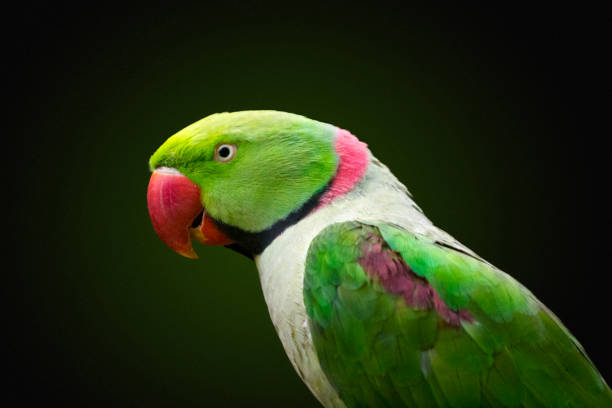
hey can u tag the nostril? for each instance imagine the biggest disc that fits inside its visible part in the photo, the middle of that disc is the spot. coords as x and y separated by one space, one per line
197 220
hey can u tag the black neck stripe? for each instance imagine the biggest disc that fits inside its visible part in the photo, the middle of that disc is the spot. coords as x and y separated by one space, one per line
250 244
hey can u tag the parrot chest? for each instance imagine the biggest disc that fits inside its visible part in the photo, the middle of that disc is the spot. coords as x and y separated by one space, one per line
281 271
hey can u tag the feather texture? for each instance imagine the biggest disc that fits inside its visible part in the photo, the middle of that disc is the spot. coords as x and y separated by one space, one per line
398 320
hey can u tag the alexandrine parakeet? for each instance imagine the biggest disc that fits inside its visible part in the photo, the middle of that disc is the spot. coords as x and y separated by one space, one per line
374 305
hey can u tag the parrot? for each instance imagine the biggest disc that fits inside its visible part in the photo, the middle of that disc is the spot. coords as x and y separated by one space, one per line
374 305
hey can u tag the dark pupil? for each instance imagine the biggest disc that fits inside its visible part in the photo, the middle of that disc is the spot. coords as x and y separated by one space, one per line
224 152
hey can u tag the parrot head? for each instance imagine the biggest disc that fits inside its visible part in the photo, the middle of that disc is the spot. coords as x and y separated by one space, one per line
237 178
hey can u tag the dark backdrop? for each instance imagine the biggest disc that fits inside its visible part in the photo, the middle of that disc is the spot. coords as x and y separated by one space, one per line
483 113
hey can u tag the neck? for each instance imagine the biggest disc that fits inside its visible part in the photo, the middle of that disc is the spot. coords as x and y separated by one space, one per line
352 165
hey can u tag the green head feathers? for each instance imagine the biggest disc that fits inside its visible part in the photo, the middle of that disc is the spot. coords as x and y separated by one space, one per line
280 161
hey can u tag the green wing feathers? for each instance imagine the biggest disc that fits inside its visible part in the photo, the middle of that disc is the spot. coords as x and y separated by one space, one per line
400 320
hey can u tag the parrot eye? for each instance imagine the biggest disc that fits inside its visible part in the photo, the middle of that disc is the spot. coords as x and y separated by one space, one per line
225 152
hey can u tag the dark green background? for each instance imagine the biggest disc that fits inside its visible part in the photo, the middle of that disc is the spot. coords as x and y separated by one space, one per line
478 112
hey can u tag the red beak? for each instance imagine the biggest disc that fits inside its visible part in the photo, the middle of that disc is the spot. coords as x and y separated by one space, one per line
177 213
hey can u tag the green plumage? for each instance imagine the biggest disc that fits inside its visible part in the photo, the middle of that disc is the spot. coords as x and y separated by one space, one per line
377 350
282 160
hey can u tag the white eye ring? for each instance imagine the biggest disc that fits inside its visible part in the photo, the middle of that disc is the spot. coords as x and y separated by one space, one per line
225 152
